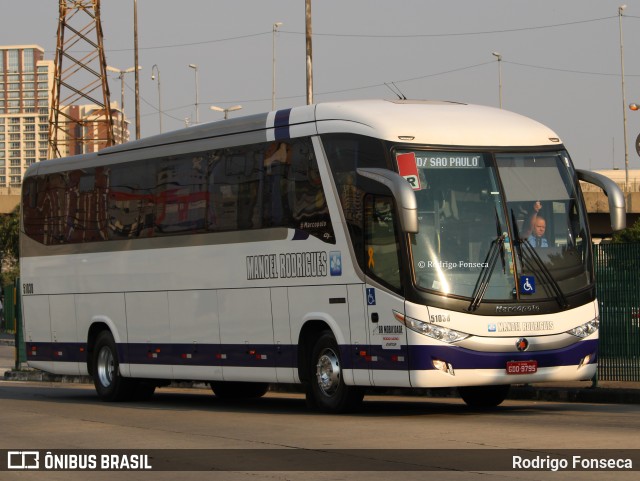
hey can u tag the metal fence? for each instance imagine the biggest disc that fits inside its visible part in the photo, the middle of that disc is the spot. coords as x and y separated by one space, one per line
618 287
12 319
9 303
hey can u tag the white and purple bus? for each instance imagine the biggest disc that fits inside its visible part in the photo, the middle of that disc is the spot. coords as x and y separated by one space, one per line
340 246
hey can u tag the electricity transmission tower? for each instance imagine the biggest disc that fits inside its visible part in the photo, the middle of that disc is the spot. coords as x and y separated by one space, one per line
80 79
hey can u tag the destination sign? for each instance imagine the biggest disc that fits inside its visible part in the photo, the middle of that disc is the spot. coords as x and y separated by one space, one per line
449 160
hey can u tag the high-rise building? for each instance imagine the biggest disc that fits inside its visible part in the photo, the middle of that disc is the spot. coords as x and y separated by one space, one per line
26 79
26 82
94 133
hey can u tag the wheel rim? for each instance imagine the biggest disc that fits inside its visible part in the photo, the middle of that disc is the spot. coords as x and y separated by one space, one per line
328 372
105 367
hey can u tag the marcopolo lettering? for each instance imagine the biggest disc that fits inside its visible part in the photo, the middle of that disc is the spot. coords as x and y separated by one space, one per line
517 309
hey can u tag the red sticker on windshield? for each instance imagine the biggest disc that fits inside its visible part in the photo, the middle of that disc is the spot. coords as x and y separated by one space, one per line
409 169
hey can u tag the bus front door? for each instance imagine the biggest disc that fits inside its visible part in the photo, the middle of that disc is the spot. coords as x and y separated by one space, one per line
387 356
388 340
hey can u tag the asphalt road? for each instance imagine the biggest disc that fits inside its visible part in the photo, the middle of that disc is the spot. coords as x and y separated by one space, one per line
64 416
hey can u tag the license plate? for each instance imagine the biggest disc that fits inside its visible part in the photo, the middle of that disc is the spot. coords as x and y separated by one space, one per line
522 367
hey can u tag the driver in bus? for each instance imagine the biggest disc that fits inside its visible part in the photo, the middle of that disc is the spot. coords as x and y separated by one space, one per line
537 238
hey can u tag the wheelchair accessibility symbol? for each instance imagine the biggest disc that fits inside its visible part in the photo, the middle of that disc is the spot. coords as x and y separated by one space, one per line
527 285
371 296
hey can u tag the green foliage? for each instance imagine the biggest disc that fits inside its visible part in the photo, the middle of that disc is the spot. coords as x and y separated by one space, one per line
10 274
10 246
630 234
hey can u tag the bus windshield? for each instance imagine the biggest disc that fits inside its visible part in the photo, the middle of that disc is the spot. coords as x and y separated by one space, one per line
548 218
497 226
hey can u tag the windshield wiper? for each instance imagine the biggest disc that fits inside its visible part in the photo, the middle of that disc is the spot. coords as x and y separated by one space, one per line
496 249
529 255
517 244
543 270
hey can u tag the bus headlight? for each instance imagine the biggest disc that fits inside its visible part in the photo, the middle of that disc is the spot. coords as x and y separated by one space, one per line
585 329
431 330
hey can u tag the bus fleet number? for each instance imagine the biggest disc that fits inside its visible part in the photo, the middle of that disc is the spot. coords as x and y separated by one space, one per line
27 288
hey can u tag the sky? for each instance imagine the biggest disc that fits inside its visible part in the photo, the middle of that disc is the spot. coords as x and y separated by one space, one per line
560 58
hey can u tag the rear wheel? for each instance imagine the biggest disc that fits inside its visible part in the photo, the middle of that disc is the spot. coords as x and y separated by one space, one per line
239 390
327 390
484 396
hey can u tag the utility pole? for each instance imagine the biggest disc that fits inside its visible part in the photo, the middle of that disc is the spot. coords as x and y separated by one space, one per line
136 65
195 69
499 57
624 104
276 25
309 52
121 74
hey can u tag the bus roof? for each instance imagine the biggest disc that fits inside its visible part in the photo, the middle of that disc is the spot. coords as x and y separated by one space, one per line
433 123
441 123
428 122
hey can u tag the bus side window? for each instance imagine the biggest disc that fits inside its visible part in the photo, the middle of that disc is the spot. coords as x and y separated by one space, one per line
382 247
33 220
277 159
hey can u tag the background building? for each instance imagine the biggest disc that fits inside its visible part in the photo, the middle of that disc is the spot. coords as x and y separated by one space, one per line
26 83
26 80
94 125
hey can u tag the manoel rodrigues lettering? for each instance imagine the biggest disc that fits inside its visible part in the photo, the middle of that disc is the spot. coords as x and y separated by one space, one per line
287 266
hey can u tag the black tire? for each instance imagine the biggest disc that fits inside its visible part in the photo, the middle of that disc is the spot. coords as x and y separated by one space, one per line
327 390
239 390
484 397
143 390
109 384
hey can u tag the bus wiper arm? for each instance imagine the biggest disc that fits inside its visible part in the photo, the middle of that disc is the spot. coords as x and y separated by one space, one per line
543 270
497 247
527 252
517 244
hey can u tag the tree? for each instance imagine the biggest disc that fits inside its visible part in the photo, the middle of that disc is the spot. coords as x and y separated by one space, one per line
630 234
10 246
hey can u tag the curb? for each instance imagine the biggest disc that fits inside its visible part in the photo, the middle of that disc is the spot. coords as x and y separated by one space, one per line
41 376
34 375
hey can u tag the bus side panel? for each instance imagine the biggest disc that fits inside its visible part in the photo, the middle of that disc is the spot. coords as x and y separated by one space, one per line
246 335
107 309
389 349
328 304
149 348
285 352
37 329
195 332
67 356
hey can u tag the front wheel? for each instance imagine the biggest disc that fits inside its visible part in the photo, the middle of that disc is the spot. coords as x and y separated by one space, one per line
484 396
327 390
109 384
